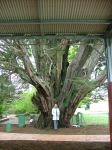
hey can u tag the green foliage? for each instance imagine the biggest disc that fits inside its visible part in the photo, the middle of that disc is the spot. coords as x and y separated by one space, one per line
72 53
6 88
23 104
79 81
1 111
4 107
65 103
6 91
85 101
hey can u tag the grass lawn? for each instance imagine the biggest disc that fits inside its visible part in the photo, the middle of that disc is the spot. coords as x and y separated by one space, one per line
92 119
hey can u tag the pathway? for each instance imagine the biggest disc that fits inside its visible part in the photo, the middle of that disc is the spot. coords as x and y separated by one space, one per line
45 137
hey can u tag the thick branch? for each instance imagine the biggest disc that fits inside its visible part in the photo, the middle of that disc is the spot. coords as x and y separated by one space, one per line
82 92
44 94
36 53
14 68
74 69
93 60
65 63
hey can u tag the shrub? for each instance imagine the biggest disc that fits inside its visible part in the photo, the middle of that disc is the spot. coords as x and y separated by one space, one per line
23 104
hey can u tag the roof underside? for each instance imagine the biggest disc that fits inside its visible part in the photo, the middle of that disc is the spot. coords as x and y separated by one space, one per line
43 17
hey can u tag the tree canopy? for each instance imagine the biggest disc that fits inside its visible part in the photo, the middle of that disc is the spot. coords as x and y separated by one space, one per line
6 89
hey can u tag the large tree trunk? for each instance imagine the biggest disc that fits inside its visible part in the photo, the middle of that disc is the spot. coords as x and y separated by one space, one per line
45 117
45 104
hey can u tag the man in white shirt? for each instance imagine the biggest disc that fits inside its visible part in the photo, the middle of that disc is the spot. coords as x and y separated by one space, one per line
55 116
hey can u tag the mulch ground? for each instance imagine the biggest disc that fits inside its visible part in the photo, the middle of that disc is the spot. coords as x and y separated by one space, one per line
87 130
49 145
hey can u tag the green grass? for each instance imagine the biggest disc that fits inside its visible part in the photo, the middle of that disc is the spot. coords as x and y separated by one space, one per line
93 119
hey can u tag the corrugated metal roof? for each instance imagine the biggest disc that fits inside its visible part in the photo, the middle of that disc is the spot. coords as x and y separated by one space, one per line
50 29
17 16
75 9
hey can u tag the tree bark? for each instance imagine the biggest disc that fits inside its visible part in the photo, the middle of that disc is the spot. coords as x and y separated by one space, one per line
44 104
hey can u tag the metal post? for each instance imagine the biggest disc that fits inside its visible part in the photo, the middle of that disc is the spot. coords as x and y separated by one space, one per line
108 43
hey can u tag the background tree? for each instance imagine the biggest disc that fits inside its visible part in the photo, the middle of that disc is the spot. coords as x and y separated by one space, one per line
6 90
23 104
57 78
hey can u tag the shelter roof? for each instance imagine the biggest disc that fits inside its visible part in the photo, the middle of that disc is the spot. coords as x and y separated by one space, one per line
51 17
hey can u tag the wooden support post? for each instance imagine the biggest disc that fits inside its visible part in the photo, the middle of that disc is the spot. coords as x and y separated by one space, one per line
108 43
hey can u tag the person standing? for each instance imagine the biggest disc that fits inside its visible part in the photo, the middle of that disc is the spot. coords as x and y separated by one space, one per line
55 116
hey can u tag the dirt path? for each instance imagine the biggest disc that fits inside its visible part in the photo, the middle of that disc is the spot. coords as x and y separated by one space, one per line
46 137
